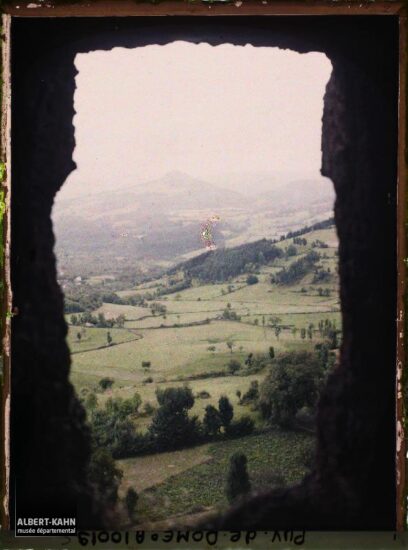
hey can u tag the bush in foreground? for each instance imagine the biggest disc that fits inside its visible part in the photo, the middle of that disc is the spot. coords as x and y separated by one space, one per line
238 484
131 499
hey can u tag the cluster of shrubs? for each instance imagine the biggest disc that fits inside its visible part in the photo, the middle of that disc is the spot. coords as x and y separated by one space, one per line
133 300
330 332
297 270
293 385
252 395
220 421
81 298
322 276
229 314
106 383
157 308
324 291
319 244
113 427
290 251
98 321
325 224
174 286
88 298
294 379
223 264
300 241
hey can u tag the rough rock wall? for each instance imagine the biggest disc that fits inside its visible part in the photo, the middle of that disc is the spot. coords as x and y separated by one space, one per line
50 441
352 484
356 423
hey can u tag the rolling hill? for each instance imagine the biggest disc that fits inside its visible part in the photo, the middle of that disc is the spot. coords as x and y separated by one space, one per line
160 221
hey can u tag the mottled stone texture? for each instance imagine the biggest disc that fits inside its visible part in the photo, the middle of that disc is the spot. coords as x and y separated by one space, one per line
353 483
50 442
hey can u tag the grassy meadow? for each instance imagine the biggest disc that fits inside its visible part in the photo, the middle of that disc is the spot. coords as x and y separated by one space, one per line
192 344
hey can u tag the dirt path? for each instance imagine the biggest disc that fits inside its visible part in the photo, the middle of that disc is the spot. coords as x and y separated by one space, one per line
147 471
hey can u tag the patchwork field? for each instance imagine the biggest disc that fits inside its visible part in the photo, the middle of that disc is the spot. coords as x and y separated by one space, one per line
191 341
193 480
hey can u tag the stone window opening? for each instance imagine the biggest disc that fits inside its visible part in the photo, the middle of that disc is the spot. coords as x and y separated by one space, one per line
356 419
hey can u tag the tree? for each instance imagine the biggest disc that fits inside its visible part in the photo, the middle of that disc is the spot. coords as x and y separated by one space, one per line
104 476
292 384
175 399
303 333
271 353
263 325
333 340
79 336
109 338
74 320
230 345
238 484
226 411
212 421
171 428
278 330
238 393
291 251
101 320
105 383
252 280
252 394
294 332
123 434
120 320
234 366
131 499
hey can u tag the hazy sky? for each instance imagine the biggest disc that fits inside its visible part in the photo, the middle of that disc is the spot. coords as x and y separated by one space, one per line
201 109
